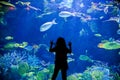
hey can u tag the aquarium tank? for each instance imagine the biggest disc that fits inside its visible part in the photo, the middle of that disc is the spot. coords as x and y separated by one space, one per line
28 26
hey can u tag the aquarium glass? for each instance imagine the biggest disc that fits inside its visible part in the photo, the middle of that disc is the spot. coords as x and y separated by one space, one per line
27 28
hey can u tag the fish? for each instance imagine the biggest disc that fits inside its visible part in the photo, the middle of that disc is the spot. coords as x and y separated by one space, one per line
28 5
70 59
46 26
6 3
9 38
65 14
45 14
6 6
109 45
32 7
85 58
97 35
23 3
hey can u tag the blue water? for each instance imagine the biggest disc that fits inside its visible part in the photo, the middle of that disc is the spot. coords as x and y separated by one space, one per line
23 24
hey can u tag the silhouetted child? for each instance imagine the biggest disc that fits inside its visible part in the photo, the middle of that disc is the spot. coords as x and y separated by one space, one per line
61 57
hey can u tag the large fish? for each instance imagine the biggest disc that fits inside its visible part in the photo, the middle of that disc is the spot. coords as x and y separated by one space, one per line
109 45
47 25
6 3
66 14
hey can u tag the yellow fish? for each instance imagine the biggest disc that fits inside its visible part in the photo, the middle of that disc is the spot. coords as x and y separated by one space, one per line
6 3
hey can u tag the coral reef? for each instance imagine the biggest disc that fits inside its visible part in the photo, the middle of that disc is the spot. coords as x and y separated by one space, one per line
17 65
21 63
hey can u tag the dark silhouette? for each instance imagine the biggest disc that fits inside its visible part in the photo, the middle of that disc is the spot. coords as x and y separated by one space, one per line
61 57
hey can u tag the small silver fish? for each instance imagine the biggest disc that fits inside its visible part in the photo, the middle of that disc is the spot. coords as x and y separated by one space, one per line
9 38
47 25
